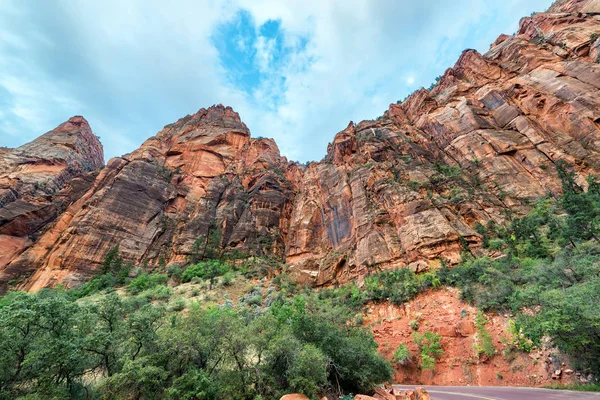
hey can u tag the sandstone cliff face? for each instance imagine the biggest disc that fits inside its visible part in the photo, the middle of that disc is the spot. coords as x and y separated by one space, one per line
41 179
200 176
403 191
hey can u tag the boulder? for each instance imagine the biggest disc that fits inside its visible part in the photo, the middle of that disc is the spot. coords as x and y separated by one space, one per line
422 394
294 396
383 394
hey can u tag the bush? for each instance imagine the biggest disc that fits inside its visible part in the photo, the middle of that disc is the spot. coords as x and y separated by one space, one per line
146 281
402 355
430 346
517 339
178 304
427 362
485 343
496 244
205 270
398 285
414 325
158 292
255 300
174 271
227 278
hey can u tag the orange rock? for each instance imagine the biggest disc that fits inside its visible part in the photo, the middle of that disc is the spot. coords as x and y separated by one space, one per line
464 328
294 397
422 394
403 395
408 395
383 394
398 192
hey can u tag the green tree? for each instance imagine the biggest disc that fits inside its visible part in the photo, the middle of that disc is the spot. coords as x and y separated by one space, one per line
112 262
108 336
308 371
430 346
18 330
402 355
139 379
194 384
205 270
582 222
41 346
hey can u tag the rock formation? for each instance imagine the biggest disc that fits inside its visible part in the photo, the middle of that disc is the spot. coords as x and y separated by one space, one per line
198 176
405 190
40 180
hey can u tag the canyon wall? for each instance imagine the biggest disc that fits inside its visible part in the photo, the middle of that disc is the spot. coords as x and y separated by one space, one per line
405 190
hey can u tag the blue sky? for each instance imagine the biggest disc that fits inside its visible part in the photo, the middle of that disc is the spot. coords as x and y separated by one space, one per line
297 70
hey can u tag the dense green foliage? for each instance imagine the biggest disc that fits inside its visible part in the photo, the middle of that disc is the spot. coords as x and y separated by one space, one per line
550 276
146 281
402 354
398 285
54 346
205 270
430 347
485 342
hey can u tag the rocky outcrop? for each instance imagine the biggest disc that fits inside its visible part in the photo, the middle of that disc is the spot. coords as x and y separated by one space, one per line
405 190
443 313
39 180
200 181
576 6
390 393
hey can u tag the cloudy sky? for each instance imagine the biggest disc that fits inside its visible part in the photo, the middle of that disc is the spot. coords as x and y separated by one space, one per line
295 70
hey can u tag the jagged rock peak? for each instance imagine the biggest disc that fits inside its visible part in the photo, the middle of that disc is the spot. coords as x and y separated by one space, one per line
40 179
575 6
72 142
406 190
215 116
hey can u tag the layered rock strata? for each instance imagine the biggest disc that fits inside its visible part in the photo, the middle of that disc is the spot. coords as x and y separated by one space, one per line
405 190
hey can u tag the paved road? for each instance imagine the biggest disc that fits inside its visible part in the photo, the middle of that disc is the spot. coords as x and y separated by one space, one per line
502 393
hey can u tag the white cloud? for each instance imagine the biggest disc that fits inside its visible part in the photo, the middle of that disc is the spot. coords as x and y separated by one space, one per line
132 67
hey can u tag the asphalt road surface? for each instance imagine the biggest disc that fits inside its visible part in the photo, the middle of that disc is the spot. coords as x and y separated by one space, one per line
501 393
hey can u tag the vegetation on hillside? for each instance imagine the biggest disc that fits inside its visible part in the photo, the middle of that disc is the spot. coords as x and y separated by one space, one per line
131 344
549 276
545 271
120 336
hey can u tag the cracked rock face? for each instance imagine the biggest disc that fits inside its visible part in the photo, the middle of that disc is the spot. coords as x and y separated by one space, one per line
41 179
403 191
199 176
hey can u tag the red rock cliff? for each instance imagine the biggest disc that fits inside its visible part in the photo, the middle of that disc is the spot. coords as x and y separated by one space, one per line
40 179
403 191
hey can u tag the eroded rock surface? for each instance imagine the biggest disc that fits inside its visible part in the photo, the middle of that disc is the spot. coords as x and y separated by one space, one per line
443 313
199 178
405 190
39 180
